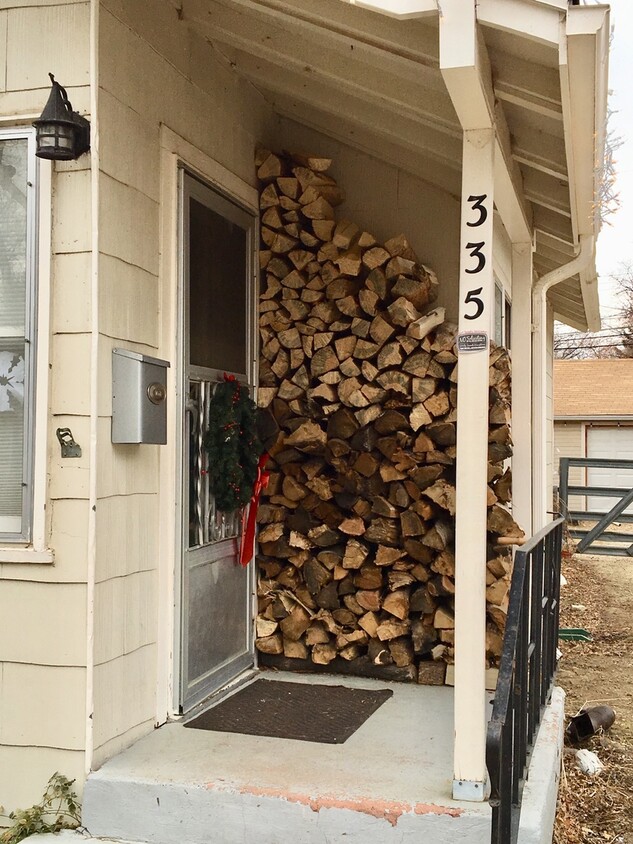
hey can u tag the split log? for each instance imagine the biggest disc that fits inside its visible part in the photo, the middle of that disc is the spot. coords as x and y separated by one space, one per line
359 377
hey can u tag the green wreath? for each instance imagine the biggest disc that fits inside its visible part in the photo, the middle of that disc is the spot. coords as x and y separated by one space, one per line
232 444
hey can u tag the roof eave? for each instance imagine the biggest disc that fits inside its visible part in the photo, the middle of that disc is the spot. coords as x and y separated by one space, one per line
584 80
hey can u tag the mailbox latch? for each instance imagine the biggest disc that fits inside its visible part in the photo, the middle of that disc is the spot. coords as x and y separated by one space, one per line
156 392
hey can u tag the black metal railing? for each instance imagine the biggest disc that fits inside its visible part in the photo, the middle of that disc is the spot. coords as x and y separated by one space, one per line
526 675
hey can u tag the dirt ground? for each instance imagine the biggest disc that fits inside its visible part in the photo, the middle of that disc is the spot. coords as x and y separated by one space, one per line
599 598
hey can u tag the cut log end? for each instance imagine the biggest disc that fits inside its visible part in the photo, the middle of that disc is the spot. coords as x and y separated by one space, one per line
358 376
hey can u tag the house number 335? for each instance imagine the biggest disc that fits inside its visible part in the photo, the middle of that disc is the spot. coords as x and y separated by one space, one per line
475 250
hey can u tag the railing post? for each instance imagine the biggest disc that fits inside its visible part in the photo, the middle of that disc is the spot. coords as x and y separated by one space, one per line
536 628
522 672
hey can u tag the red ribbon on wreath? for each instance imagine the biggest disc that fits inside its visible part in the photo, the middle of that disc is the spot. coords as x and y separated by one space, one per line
247 544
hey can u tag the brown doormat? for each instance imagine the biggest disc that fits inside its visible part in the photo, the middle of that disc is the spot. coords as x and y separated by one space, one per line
302 711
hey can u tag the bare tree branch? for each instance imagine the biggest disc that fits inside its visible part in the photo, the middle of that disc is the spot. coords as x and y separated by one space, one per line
613 341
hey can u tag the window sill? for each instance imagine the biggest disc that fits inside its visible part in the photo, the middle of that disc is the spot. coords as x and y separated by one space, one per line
25 555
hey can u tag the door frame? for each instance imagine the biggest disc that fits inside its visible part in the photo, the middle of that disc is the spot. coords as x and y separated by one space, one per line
177 154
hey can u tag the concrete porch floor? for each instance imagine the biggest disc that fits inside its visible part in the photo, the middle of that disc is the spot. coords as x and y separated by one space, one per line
389 782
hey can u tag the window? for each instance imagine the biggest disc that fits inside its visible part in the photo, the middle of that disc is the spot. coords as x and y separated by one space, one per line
17 321
507 317
503 315
218 251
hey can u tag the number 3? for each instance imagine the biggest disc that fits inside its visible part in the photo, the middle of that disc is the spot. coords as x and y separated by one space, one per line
473 296
475 252
478 205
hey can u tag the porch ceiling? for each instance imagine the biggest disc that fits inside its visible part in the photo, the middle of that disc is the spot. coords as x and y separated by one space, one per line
374 82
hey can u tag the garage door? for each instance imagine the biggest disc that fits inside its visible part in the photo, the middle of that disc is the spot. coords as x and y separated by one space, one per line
612 444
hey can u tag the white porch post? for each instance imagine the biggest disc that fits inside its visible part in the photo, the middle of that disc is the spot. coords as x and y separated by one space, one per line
521 330
469 87
476 296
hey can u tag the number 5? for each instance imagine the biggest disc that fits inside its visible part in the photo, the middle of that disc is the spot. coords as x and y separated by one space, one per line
473 296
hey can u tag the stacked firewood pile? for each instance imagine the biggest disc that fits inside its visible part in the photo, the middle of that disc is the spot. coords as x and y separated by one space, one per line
359 376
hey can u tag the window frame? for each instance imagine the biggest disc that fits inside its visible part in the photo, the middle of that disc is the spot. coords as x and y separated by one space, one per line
25 535
502 310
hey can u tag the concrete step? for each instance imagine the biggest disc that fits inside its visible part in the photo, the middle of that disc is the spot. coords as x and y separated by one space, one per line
163 813
183 786
389 782
71 836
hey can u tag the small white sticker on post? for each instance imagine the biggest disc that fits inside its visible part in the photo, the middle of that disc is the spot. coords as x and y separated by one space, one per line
472 341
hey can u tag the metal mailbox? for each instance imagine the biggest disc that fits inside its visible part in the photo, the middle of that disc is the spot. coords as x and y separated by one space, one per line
139 398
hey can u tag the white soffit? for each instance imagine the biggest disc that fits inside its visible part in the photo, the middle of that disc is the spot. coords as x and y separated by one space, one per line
402 9
370 80
367 72
549 72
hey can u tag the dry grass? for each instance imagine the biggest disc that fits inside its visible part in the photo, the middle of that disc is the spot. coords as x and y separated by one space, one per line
600 808
599 597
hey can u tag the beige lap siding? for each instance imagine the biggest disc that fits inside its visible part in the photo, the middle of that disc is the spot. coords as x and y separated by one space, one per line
43 607
153 71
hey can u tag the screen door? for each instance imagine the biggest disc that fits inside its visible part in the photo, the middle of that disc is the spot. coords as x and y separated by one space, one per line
218 283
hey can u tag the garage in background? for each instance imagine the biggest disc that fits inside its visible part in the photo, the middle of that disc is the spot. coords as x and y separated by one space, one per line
593 417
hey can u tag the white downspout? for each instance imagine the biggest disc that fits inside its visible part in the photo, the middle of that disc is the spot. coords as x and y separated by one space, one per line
540 422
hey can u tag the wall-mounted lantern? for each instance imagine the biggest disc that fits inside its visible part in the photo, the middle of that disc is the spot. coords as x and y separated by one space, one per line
61 133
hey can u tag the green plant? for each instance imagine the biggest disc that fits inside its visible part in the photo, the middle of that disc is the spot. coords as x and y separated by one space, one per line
232 444
58 809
